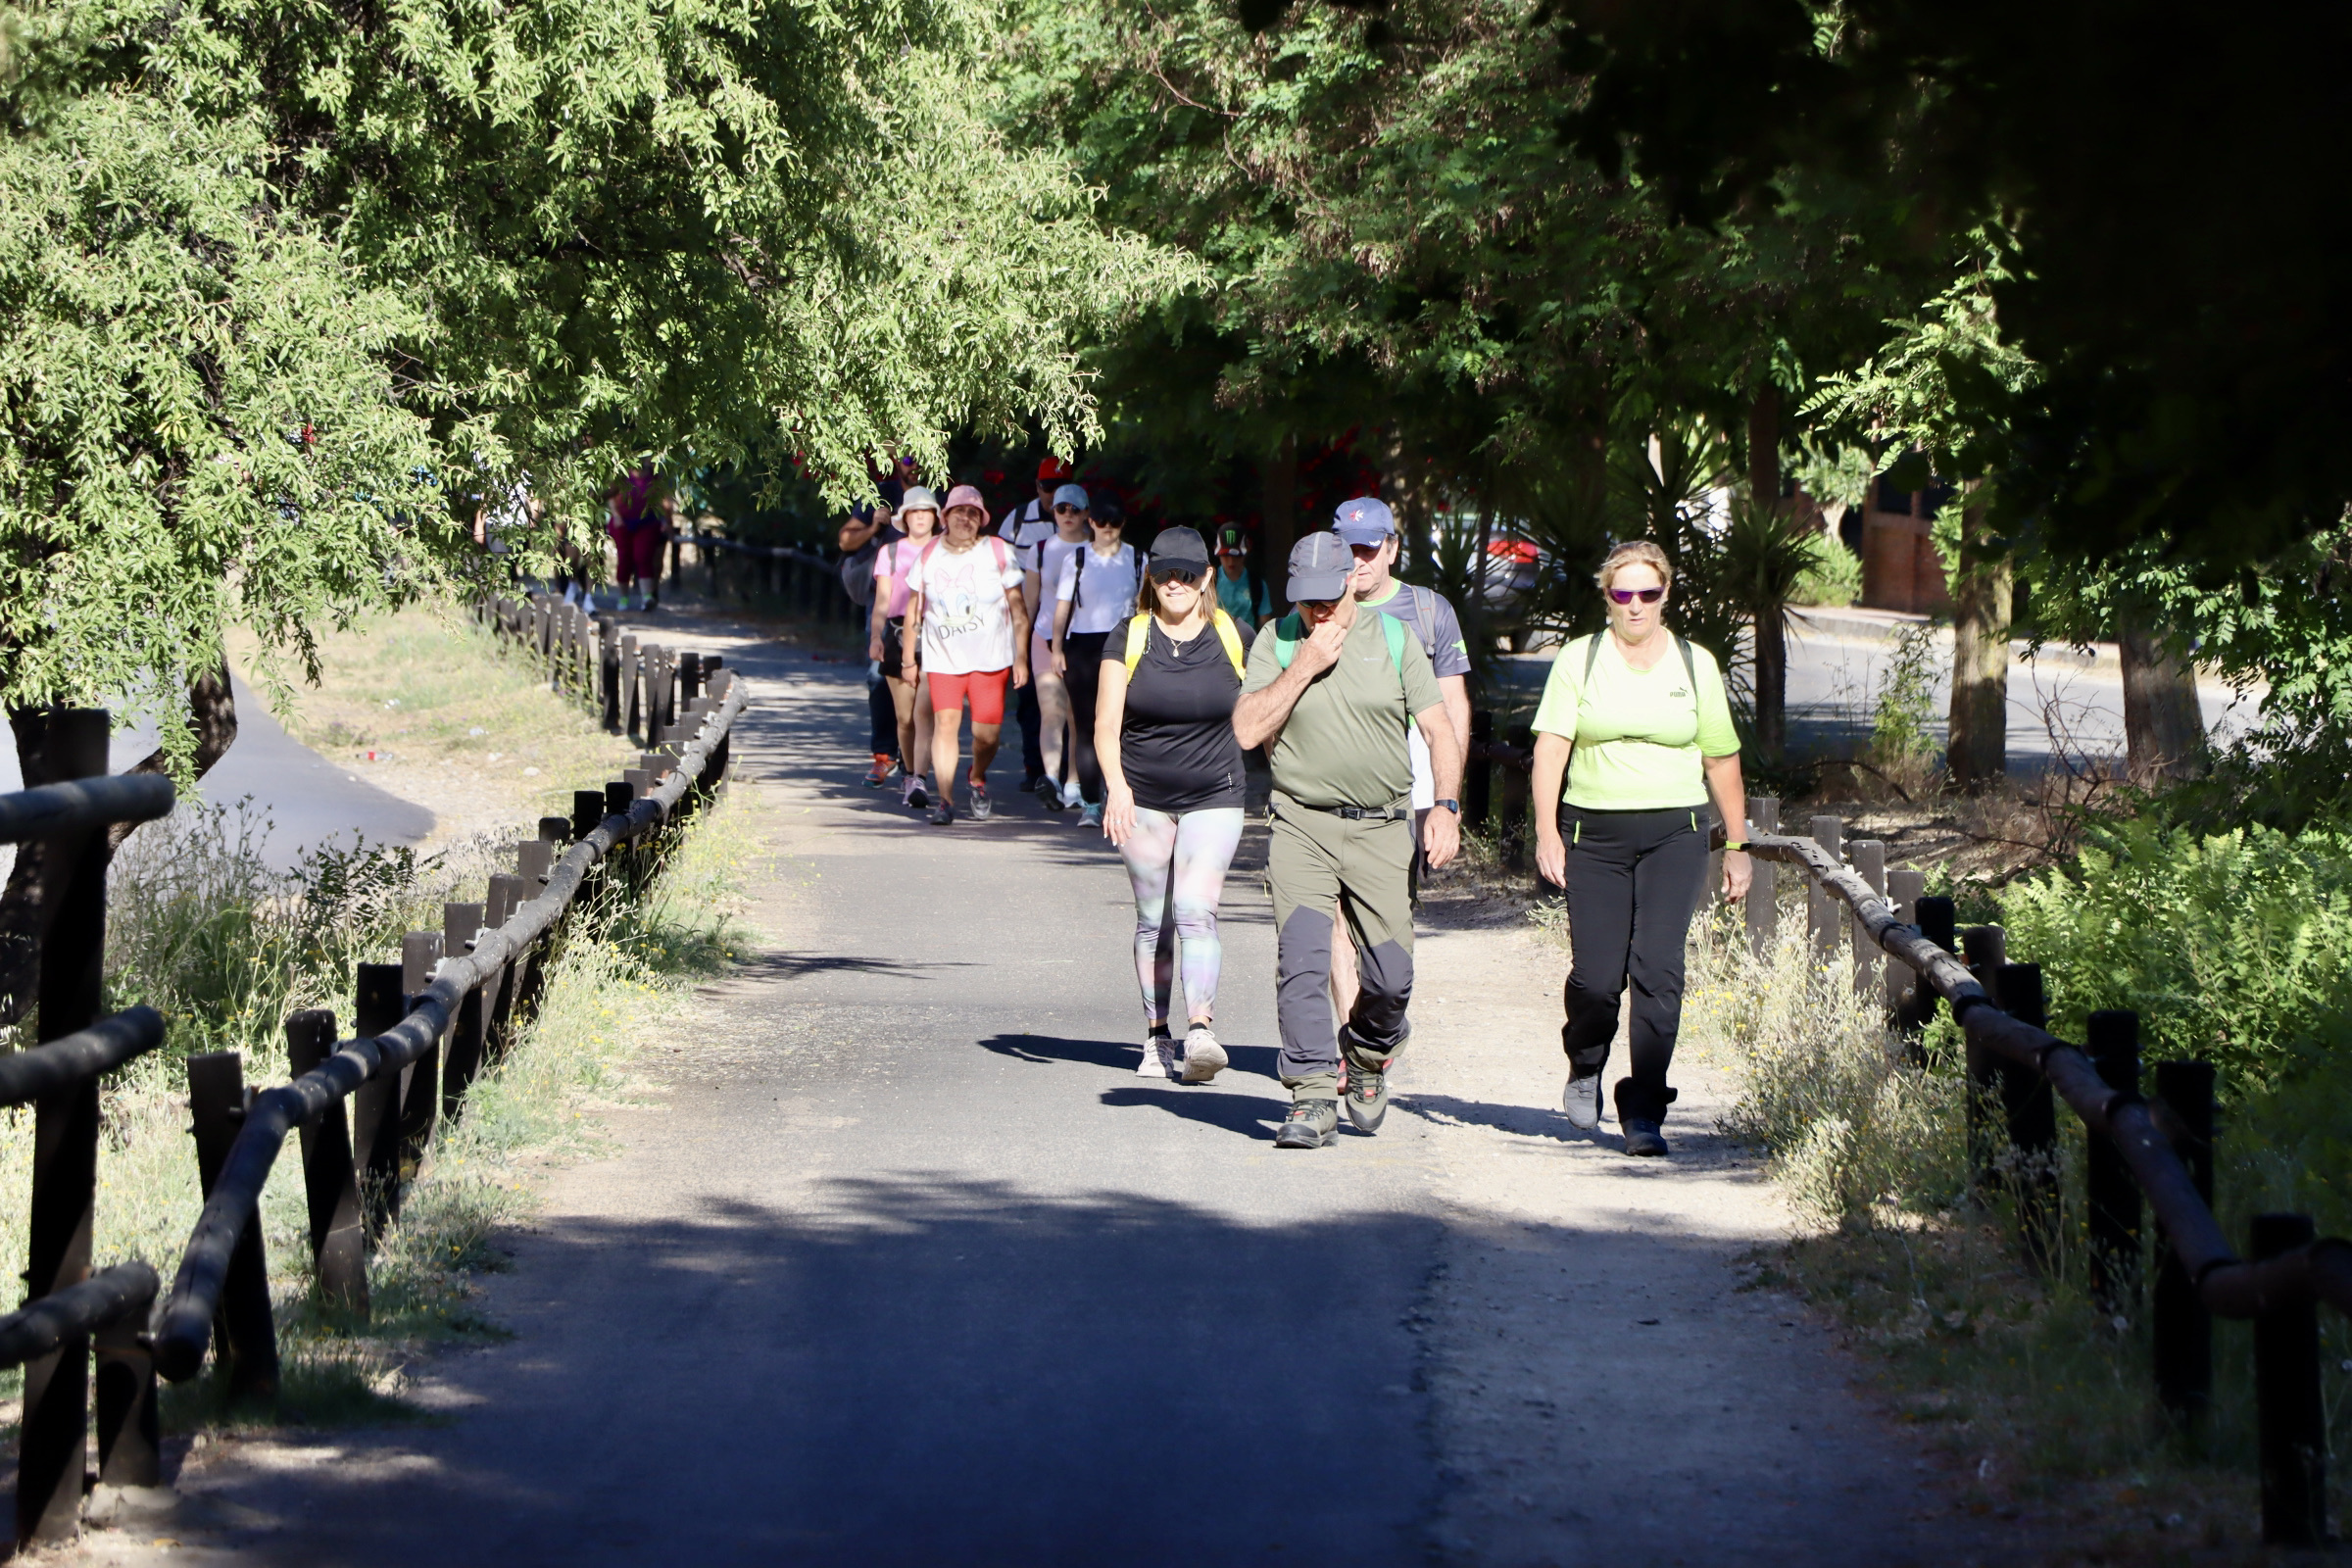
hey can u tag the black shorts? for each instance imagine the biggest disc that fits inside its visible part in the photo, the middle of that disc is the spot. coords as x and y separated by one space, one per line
894 648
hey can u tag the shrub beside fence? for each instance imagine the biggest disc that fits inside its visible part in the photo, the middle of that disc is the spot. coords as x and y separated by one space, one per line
2158 1151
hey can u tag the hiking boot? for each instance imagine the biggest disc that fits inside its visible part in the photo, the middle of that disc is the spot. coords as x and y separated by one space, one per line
982 807
1643 1139
940 813
1581 1100
1048 793
1160 1057
1311 1124
1367 1095
1203 1058
879 774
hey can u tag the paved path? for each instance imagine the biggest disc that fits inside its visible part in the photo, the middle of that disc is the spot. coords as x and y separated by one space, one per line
907 1268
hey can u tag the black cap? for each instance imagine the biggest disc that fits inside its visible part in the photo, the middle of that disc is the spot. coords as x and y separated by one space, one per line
1178 550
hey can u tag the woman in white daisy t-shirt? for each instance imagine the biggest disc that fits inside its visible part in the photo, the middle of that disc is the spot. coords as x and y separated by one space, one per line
966 617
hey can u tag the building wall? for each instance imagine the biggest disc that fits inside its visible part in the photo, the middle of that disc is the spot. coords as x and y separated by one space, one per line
1900 569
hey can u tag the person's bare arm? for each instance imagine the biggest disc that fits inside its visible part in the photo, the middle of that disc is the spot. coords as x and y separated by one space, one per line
1063 609
1730 789
1018 608
1111 718
1032 591
1442 830
854 534
910 634
1457 692
1259 717
1549 772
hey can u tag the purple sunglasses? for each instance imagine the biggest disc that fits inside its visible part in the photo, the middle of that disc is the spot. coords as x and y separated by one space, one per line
1626 595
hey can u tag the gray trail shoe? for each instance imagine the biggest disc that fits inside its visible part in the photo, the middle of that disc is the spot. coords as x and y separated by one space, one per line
982 807
1367 1096
1311 1124
1581 1100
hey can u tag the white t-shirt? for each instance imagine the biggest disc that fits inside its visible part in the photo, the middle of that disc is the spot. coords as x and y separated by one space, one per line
967 628
1104 594
1047 557
1025 525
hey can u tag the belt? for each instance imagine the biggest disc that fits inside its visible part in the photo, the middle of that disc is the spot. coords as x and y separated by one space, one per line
1367 813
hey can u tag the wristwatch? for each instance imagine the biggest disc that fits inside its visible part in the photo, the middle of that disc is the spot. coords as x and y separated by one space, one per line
1455 807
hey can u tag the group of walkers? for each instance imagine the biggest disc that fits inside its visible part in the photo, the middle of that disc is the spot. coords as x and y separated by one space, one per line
1143 678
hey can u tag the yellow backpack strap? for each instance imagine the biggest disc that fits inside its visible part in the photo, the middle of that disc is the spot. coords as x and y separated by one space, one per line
1139 630
1231 636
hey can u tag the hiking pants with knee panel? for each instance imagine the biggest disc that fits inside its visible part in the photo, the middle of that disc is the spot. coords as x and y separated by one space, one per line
1632 882
1314 858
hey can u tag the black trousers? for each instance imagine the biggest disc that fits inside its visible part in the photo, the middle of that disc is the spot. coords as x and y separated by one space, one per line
882 716
1634 879
1084 652
1033 731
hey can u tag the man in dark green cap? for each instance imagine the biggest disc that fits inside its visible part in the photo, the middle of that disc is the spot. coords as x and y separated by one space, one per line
1330 693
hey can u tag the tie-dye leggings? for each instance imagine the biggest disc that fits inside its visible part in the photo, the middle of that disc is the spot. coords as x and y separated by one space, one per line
1177 865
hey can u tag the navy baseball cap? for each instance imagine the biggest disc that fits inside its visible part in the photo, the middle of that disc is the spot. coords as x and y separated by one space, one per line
1321 569
1365 520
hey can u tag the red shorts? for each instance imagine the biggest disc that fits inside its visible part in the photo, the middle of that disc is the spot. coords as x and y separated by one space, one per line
986 688
637 552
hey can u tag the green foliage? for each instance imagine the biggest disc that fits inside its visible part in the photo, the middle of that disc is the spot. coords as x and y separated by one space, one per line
1832 579
1899 732
2232 947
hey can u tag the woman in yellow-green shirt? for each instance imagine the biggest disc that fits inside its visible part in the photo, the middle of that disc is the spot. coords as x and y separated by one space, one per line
1636 722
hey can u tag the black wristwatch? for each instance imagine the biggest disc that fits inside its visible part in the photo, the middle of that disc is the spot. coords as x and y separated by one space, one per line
1455 807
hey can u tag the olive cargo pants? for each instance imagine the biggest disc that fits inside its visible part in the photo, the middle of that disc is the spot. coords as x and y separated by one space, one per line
1316 858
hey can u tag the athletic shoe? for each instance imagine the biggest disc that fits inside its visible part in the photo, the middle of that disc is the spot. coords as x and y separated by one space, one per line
1311 1124
879 774
1643 1139
915 797
1092 817
1071 797
1029 785
1581 1100
1048 796
653 602
940 813
982 807
1159 1053
1203 1058
1367 1096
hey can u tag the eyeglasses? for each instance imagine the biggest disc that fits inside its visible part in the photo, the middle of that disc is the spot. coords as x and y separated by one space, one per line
1626 595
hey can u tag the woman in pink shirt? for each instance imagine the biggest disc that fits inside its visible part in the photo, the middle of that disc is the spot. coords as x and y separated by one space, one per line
910 693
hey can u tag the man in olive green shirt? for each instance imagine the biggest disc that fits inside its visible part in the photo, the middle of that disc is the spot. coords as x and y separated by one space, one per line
1329 693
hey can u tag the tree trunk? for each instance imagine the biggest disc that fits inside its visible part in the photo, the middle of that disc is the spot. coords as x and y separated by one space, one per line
1771 621
1977 752
2164 729
28 902
1277 511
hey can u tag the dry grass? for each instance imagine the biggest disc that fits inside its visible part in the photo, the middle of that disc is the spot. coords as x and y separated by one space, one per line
456 719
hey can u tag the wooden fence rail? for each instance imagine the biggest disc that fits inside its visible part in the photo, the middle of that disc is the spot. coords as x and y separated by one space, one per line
2159 1150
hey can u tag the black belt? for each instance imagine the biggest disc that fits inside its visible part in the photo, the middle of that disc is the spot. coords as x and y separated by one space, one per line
1367 813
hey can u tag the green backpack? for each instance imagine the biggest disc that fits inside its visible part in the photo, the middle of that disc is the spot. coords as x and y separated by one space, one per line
1291 631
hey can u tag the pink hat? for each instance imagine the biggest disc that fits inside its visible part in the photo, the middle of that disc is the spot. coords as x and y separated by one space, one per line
964 495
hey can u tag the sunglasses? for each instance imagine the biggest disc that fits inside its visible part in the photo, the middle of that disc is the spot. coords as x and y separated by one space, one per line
1182 579
1626 595
1067 508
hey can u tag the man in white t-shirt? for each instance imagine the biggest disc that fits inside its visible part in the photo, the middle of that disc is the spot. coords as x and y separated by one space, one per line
1041 567
1024 527
1095 594
966 619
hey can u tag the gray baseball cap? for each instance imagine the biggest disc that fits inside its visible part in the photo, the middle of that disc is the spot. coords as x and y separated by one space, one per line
1321 564
1072 494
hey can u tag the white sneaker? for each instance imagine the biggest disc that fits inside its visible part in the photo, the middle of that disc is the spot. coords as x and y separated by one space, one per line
1160 1058
1203 1058
1581 1100
1070 796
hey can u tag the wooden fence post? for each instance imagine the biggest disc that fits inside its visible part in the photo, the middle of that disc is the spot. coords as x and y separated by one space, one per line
2288 1412
375 1104
2180 1328
2110 1038
498 1002
421 1080
53 1444
1985 948
1870 864
1903 888
1825 913
329 1177
460 923
2030 1108
633 684
243 1330
1764 891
